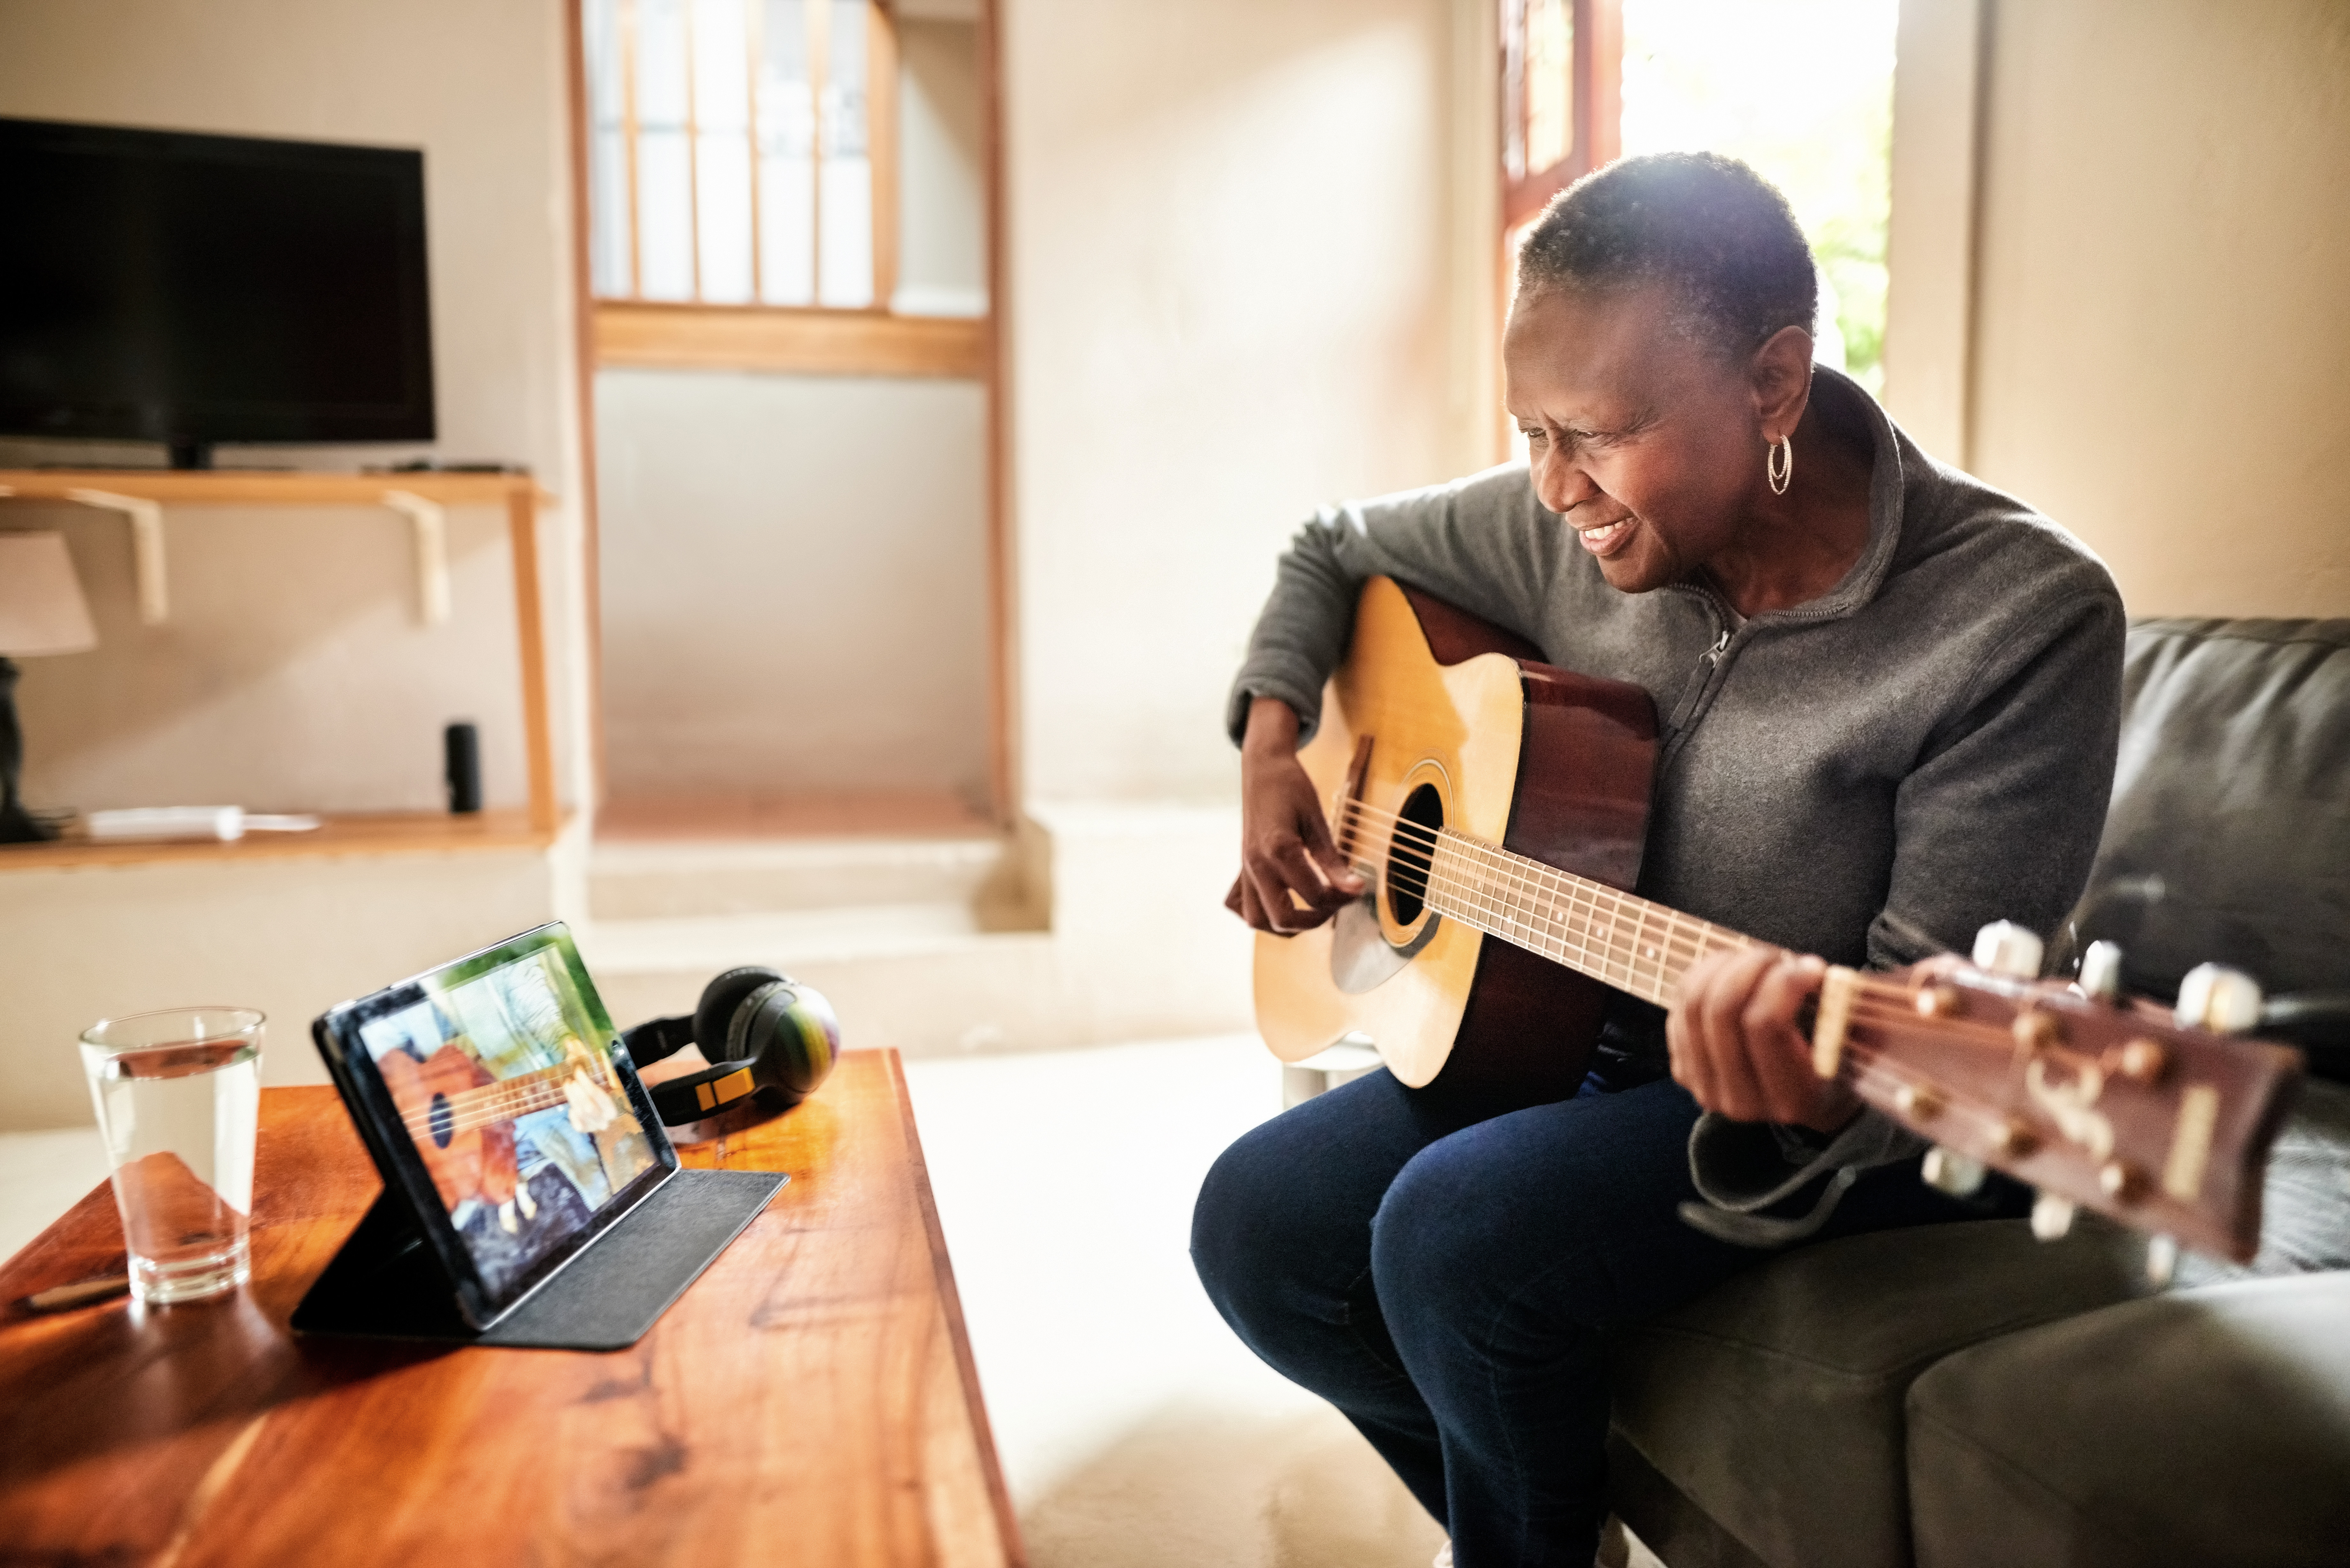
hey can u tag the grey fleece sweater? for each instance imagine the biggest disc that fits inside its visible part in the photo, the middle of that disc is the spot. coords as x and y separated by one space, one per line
1869 776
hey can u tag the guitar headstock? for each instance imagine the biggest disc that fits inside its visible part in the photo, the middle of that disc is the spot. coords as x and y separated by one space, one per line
2157 1119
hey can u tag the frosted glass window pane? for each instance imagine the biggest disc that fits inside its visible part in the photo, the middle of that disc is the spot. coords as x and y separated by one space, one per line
784 115
786 245
664 216
608 207
848 233
600 30
1550 84
1514 88
844 83
721 82
726 172
786 154
661 64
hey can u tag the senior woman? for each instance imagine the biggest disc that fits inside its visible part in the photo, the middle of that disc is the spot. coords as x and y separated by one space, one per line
1888 699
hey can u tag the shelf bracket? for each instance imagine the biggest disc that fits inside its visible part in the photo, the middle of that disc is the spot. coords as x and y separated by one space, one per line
146 547
430 523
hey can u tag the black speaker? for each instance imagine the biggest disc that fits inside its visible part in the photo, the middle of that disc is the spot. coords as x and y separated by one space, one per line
460 751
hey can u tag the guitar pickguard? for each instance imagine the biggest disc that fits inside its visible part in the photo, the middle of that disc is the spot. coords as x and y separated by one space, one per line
1361 957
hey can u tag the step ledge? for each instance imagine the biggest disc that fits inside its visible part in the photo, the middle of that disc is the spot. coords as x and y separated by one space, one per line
705 942
767 854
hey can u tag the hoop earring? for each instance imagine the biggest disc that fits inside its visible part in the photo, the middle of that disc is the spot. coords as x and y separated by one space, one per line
1779 464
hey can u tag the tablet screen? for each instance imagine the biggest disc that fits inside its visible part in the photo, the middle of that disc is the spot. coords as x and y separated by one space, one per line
502 1078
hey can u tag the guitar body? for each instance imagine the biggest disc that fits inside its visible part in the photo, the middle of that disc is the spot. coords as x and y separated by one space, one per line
465 1159
1450 721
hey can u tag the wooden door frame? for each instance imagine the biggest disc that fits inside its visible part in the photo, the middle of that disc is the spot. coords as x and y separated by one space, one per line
1003 767
583 327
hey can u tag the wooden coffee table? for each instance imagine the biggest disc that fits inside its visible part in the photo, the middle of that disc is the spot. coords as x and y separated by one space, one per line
810 1400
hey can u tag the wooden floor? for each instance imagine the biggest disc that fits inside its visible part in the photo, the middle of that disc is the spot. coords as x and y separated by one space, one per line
809 1403
912 813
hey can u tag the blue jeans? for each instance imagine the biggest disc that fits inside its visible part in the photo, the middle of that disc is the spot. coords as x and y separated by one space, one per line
1450 1287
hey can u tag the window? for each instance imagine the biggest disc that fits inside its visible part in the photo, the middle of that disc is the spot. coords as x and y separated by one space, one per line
742 173
1805 94
1562 63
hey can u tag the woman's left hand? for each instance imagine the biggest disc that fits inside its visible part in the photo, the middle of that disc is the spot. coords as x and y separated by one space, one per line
1735 1047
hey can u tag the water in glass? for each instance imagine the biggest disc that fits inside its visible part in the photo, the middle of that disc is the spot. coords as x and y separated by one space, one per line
179 1117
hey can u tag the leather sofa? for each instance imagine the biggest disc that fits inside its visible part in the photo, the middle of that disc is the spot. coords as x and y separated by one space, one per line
1963 1395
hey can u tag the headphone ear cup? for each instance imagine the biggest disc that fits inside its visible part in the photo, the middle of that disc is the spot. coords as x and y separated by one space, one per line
719 999
795 1033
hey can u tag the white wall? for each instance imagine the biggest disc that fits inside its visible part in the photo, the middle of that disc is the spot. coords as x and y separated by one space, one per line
291 674
942 223
2163 330
2156 339
794 567
289 936
795 573
1234 281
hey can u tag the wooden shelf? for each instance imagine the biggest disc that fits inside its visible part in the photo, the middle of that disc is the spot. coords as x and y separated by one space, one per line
777 337
370 833
144 490
268 487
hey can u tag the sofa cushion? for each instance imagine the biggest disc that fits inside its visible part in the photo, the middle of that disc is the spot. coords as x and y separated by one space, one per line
1773 1403
2229 836
2208 1426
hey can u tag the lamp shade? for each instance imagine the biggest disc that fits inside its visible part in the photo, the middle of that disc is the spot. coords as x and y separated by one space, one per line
41 607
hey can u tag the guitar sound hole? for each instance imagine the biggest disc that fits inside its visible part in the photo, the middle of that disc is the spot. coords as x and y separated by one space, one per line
1409 851
441 1120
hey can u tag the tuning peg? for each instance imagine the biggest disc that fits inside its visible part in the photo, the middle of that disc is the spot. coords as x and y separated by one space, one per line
1952 1172
2005 947
2161 1260
2222 999
2101 970
2052 1217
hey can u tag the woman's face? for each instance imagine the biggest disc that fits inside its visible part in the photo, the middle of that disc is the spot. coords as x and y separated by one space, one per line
1650 446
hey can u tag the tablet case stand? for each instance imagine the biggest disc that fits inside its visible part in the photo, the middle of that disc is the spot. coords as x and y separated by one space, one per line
387 1284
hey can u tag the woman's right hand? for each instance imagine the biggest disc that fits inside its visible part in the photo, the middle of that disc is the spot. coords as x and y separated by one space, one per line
1292 877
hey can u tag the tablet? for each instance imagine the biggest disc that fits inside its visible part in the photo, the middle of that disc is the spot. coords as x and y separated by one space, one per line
500 1104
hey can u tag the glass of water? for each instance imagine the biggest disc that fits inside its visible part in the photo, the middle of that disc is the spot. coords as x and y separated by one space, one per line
178 1096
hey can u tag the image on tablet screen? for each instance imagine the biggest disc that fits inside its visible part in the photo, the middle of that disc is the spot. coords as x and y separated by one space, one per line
504 1083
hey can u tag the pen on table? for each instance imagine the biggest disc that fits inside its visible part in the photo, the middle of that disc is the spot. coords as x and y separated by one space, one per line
78 1294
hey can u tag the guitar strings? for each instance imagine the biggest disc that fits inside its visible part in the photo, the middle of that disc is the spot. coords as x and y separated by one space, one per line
506 1101
1684 944
1588 936
1566 901
506 1108
1876 1000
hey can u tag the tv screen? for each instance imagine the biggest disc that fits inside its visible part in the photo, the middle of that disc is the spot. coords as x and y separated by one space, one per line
158 286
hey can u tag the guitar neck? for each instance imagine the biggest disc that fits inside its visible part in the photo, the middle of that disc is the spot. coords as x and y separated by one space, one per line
503 1101
1631 943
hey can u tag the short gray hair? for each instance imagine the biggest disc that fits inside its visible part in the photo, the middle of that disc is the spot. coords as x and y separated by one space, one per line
1715 232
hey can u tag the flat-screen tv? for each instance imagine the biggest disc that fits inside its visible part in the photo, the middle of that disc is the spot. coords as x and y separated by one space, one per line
158 286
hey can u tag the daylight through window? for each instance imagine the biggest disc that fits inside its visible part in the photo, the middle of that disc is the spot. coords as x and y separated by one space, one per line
742 151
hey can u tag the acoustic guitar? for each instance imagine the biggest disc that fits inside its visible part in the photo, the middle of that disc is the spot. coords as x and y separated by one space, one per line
1497 806
461 1120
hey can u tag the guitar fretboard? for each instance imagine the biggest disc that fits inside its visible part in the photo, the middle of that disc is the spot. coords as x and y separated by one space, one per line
503 1101
1618 939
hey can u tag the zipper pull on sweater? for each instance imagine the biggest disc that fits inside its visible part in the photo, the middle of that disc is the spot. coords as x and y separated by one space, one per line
1684 710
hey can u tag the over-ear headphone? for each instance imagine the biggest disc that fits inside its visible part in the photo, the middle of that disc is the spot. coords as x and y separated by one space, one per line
770 1041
